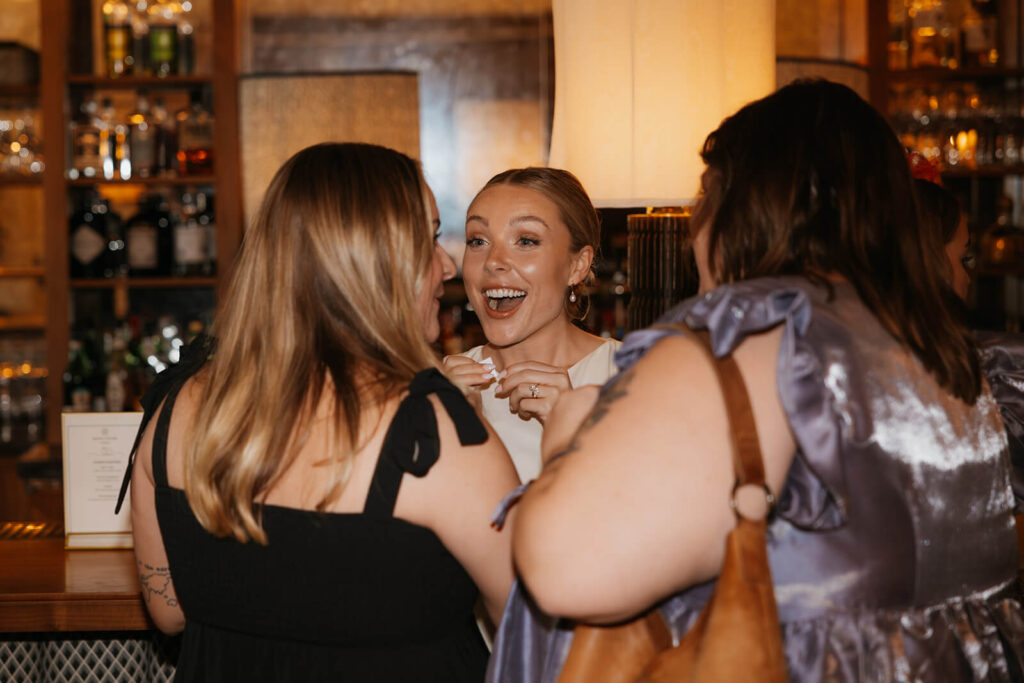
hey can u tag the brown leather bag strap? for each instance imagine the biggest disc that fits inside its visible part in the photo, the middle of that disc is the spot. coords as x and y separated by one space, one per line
748 461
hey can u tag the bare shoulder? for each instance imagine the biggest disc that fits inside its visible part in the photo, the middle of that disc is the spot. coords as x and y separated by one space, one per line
461 472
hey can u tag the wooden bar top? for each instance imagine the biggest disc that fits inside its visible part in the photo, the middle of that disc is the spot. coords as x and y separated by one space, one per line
44 587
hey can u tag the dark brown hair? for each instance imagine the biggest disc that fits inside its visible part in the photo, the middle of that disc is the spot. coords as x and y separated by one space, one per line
940 211
574 207
810 181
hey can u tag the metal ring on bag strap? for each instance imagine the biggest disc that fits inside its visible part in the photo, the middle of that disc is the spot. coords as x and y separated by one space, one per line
769 499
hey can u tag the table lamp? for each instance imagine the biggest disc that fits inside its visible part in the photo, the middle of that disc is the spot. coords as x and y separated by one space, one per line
639 84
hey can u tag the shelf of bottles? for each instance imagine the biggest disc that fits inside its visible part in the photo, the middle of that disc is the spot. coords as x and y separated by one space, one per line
956 95
22 325
141 188
955 84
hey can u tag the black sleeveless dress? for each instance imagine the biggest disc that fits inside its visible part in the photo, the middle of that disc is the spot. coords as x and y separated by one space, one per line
331 597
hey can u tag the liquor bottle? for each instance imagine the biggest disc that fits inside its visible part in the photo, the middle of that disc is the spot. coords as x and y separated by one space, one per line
108 139
87 238
148 239
1002 243
898 44
929 34
78 378
978 34
163 37
195 137
166 139
85 143
143 136
190 240
140 40
115 264
205 217
117 37
117 377
122 150
186 44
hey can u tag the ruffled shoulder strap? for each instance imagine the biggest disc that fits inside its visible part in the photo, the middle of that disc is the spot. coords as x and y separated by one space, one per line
412 444
813 496
192 358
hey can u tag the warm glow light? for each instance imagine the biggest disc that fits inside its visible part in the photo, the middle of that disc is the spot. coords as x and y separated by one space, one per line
639 84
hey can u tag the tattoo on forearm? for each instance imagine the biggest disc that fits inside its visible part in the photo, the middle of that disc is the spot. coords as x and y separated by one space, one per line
613 393
156 581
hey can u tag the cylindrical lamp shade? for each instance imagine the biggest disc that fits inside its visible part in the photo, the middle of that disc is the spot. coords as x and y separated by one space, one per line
639 84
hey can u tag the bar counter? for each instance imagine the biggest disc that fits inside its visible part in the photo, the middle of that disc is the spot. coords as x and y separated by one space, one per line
76 615
45 588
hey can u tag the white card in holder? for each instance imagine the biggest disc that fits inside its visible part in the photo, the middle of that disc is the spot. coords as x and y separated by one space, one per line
96 448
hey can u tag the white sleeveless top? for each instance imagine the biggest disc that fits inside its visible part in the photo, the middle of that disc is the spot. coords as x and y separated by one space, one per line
522 437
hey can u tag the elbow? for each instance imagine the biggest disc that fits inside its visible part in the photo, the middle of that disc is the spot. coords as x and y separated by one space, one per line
562 578
169 624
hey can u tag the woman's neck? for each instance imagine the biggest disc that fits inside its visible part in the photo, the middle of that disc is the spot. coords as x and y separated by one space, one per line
560 345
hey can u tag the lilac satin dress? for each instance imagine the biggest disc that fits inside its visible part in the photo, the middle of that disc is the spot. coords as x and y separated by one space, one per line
893 547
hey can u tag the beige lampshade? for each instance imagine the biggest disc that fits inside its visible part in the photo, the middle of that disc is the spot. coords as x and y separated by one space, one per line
639 84
282 114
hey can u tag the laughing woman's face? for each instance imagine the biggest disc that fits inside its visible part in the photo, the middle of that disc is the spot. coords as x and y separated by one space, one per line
518 263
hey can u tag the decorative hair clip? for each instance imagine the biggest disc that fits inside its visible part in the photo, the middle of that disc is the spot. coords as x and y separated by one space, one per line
923 169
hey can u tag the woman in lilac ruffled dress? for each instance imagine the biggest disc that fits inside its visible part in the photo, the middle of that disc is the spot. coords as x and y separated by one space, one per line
892 545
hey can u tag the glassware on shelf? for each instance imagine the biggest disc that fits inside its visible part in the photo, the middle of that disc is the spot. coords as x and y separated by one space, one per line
958 126
21 150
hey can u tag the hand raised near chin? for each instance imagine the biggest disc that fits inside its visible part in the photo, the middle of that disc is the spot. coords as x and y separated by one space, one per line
533 388
469 376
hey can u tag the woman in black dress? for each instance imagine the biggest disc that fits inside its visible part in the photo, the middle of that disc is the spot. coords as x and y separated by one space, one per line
274 515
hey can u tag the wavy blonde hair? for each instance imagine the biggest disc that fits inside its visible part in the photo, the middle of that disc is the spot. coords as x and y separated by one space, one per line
323 298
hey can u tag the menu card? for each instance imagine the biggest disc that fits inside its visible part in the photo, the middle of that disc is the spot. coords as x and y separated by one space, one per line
96 448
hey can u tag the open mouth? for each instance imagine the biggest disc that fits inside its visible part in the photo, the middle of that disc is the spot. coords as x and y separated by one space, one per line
504 299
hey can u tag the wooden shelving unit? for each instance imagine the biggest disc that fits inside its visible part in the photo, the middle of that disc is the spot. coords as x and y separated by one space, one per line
161 180
144 283
9 180
56 88
977 188
152 83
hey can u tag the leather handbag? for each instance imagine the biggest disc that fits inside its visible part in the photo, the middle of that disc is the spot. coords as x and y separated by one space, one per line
737 636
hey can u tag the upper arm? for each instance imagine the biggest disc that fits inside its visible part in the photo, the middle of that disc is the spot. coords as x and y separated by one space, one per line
456 500
150 555
638 509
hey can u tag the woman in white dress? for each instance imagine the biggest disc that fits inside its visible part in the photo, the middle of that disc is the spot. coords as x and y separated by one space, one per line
531 237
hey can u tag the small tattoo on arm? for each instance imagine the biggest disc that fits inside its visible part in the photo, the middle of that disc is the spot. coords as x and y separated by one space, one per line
605 399
156 581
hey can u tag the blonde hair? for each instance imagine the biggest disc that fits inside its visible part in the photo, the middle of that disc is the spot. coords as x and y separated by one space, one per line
325 287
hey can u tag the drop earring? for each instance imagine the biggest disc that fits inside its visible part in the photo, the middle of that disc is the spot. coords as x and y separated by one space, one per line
572 296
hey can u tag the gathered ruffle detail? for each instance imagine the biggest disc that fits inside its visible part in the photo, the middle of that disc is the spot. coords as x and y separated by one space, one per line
814 494
973 639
